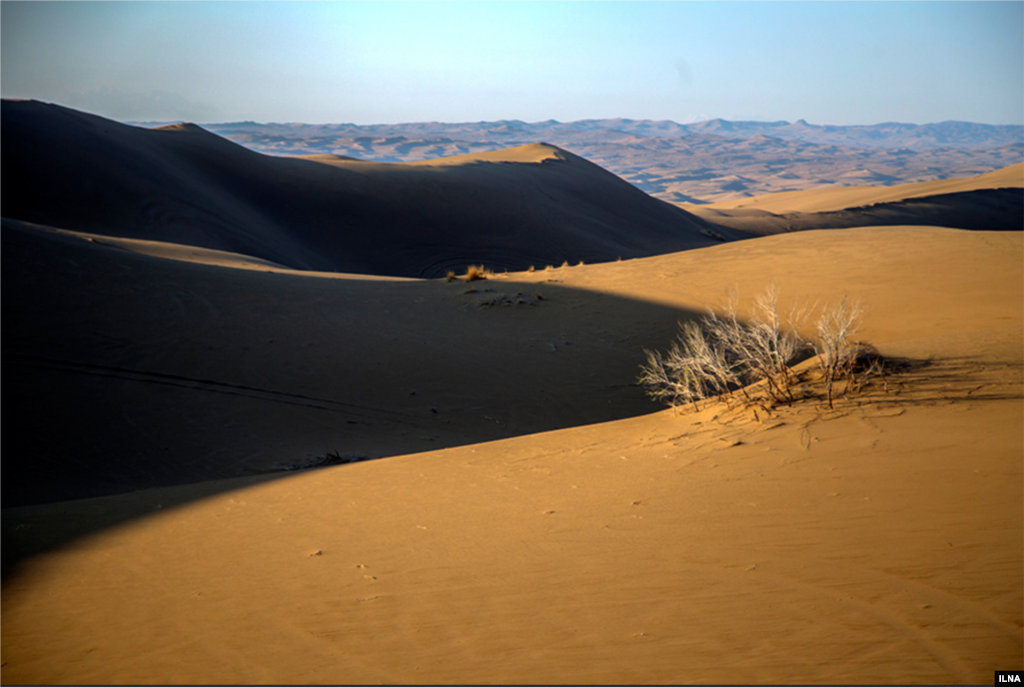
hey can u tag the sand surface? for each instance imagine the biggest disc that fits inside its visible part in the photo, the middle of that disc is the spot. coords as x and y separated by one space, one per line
843 197
986 202
531 517
880 543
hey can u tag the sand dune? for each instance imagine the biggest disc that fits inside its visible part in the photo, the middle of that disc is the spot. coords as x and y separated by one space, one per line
181 184
843 197
165 371
532 518
988 202
880 543
982 210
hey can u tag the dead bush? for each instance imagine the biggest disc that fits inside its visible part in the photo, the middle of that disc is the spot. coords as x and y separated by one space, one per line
721 353
836 357
477 272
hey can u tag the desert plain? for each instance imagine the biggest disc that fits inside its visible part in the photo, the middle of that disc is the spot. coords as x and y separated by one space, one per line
254 432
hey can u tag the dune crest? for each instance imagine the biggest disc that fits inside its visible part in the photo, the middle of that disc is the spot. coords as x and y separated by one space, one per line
843 197
993 202
183 184
530 153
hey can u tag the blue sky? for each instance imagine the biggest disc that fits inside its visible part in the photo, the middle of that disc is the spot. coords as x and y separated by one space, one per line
383 62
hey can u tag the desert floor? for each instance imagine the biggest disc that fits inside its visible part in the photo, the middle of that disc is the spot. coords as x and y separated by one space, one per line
529 516
882 542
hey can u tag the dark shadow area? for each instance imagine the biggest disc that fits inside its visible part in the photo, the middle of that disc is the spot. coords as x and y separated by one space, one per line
150 381
946 380
184 185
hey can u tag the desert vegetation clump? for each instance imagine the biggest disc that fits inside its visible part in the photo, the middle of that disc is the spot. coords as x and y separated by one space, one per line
720 353
477 272
839 356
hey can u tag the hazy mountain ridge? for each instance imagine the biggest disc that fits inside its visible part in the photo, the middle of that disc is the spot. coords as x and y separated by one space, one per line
705 162
950 134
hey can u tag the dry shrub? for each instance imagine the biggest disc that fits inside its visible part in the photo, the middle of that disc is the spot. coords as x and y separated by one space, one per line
836 327
761 348
693 368
477 272
719 353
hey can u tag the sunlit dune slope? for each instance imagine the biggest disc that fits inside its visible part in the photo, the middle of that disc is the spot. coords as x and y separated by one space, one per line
180 184
987 202
882 543
843 197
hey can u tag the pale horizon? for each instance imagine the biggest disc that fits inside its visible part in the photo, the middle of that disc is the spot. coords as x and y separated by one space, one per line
842 63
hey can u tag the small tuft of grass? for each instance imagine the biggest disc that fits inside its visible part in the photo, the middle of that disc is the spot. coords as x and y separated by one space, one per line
477 272
449 276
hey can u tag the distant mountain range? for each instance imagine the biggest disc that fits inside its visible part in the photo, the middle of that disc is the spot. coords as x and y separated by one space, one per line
703 162
950 134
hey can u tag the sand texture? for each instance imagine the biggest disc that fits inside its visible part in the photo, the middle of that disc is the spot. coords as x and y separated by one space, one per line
532 517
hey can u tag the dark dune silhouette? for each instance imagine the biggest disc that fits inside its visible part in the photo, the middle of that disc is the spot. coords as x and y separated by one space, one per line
535 204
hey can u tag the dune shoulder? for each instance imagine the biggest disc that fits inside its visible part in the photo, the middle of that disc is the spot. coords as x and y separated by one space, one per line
834 198
531 153
993 201
533 204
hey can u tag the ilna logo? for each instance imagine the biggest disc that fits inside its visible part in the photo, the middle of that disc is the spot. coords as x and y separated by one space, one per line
1009 677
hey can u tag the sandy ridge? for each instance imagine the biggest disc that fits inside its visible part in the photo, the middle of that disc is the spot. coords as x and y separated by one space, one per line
184 185
841 198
